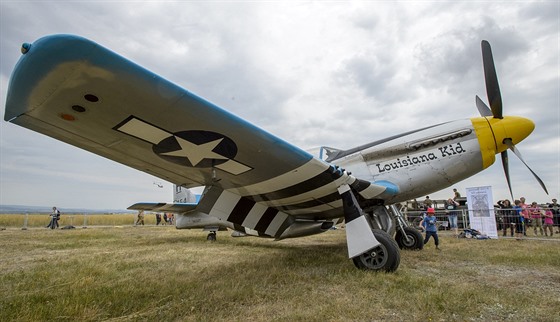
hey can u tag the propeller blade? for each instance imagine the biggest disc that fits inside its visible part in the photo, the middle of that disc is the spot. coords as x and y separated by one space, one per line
483 109
491 79
505 164
510 145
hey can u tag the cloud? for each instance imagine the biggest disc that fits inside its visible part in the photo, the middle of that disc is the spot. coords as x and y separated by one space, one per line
312 73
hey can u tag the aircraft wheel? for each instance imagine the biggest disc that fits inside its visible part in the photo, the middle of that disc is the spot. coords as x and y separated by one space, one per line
385 257
410 239
211 237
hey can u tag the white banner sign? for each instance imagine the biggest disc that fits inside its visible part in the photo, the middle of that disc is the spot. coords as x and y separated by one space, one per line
481 210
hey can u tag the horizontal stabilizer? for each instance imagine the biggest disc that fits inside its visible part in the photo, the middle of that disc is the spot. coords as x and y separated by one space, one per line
164 207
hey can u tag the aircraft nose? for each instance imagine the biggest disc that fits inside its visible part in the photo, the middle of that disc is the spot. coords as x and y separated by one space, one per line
515 128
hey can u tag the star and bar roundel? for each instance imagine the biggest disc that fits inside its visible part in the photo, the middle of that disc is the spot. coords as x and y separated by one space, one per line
192 148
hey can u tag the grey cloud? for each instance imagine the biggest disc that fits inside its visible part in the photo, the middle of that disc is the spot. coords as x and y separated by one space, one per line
546 12
372 73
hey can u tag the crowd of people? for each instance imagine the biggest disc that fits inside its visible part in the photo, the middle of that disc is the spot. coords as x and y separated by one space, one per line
513 219
166 219
522 217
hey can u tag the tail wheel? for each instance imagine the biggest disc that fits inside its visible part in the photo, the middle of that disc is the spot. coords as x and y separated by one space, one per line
211 237
409 238
384 257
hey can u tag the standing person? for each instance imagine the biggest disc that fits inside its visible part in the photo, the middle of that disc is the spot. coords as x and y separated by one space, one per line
536 218
456 195
56 212
451 209
427 202
140 219
519 220
430 224
171 217
508 216
526 216
158 219
548 222
415 204
55 217
555 208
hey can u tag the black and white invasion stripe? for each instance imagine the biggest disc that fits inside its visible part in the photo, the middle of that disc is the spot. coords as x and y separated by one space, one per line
269 207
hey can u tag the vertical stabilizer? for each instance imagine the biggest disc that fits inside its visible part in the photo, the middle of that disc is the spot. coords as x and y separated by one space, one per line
183 195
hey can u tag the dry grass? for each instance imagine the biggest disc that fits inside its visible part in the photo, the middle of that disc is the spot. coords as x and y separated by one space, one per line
37 220
160 273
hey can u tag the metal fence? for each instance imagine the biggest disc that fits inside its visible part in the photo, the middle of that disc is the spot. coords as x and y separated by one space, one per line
504 218
415 216
39 220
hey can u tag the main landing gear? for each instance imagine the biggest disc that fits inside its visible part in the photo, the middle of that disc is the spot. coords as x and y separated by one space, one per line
407 237
384 257
369 248
392 221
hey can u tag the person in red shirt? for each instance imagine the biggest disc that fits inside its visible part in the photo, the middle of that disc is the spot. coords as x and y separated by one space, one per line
536 217
548 222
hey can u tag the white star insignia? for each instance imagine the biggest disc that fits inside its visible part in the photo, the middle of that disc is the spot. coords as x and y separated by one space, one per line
196 153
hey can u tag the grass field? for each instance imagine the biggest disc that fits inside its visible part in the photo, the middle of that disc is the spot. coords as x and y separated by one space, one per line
36 220
154 273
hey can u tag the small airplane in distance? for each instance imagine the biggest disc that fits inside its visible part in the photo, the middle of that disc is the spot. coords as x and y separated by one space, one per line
79 92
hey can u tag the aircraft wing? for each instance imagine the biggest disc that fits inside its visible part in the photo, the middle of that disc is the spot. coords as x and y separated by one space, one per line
164 207
79 92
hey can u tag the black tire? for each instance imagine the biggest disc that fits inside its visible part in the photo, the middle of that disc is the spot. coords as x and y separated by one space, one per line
410 239
211 237
385 257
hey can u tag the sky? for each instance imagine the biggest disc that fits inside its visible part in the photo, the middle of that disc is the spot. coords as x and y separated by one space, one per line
338 74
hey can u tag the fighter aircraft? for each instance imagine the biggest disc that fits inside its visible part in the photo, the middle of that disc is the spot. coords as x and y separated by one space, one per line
79 92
